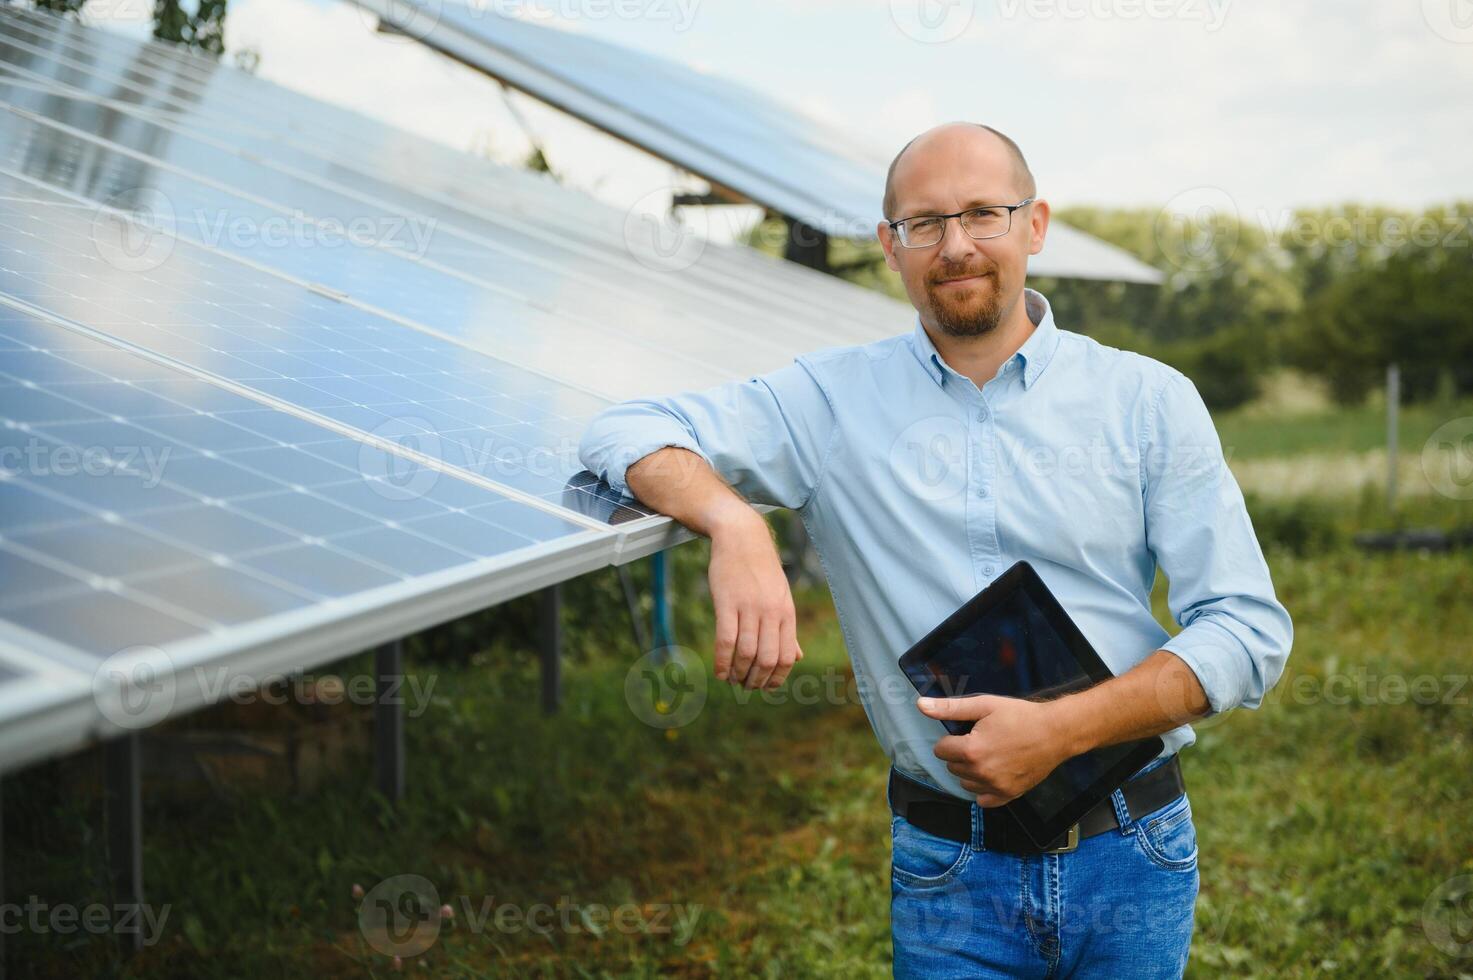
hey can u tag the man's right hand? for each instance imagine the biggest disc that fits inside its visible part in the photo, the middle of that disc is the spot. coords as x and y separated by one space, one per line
756 624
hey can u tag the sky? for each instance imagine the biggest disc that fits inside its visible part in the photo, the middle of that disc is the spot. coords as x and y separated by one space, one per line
1114 102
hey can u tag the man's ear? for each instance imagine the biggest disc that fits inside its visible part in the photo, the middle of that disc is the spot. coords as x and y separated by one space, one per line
887 242
1038 226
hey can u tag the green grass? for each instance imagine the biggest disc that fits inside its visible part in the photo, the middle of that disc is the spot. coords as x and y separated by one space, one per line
1253 433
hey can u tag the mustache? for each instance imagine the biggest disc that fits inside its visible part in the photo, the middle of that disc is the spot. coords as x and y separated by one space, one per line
957 273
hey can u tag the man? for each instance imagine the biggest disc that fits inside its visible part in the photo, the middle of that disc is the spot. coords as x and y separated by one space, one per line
923 466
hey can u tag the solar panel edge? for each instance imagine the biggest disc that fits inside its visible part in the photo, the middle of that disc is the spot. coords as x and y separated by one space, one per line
192 674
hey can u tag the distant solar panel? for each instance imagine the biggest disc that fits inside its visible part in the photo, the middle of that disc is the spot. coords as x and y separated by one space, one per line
734 136
563 221
170 82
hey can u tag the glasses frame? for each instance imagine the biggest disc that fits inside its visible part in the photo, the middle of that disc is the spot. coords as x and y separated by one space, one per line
901 234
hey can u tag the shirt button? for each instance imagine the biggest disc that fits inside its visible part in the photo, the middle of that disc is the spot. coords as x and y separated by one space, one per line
981 491
982 415
987 569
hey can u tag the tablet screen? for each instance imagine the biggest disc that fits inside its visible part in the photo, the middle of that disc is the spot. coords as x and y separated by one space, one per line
1014 639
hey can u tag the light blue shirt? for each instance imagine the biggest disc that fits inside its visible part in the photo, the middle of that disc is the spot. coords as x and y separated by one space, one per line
917 489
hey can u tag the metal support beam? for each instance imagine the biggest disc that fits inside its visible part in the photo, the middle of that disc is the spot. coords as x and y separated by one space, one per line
2 876
388 720
806 245
664 626
123 812
636 620
1393 431
551 627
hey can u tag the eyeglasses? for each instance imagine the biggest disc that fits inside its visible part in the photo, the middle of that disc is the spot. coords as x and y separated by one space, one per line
989 221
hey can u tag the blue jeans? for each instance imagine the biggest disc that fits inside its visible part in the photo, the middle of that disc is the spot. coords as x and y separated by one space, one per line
1120 906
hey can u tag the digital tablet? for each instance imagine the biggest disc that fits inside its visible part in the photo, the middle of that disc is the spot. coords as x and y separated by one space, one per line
1014 639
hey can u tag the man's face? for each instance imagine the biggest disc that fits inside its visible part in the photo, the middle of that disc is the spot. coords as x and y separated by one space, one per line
961 285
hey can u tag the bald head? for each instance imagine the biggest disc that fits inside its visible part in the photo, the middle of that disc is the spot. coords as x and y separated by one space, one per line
948 136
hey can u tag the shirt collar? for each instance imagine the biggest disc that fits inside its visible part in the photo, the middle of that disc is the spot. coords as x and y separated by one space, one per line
1033 356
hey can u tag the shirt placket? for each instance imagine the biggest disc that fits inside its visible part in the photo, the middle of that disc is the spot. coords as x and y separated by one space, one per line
980 502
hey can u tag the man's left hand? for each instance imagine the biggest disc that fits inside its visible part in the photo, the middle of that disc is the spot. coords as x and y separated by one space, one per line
1012 746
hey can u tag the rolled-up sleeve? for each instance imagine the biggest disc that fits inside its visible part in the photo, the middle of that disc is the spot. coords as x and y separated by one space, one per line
768 436
1235 634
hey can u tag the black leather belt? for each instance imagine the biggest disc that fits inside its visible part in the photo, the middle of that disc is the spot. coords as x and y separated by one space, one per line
951 817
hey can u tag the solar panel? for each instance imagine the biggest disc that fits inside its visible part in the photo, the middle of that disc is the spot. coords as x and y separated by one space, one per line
227 451
731 135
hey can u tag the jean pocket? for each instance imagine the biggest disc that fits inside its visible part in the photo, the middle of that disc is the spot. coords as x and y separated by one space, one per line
919 858
1168 837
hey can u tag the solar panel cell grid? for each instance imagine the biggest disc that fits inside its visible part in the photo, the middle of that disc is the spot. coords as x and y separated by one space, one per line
150 527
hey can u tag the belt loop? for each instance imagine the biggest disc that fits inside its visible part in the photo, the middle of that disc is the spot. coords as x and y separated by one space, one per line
977 836
1122 812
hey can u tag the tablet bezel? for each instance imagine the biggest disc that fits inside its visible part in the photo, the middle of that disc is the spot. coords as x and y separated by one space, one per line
1021 576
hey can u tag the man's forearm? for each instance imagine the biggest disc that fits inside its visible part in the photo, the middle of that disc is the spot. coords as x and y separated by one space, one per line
756 641
1155 696
682 485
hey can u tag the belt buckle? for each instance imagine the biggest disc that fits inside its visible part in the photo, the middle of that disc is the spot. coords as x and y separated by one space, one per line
1071 842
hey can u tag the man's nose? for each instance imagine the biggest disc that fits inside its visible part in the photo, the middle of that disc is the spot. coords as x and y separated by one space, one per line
956 245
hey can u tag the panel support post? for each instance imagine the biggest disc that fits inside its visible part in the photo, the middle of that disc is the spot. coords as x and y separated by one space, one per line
806 245
550 621
388 720
1393 431
123 813
664 623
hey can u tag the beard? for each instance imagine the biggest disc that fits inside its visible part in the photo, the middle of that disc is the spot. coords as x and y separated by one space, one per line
967 312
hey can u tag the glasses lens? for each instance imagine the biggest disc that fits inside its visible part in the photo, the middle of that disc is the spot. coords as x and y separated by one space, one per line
920 232
986 222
